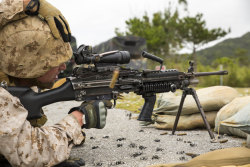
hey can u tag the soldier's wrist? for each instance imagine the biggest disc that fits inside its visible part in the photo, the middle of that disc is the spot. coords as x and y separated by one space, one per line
79 117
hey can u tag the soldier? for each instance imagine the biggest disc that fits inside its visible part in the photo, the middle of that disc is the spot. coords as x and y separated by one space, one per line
32 53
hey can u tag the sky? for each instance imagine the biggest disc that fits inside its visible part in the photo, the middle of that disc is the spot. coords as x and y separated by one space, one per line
94 21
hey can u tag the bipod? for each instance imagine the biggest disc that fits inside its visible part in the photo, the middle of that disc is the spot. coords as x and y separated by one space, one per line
191 91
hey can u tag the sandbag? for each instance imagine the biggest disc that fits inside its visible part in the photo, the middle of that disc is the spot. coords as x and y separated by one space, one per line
234 111
229 157
211 99
186 122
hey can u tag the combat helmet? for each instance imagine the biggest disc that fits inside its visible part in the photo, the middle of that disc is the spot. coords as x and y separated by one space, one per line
28 48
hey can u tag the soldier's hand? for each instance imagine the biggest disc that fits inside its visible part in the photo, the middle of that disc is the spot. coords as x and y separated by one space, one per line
108 103
56 21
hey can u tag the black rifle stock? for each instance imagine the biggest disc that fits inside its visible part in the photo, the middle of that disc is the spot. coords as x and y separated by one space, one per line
93 82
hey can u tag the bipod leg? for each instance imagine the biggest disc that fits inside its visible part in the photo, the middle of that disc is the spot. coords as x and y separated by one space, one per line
193 92
184 94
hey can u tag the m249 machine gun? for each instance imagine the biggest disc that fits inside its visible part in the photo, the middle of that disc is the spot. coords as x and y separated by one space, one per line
104 78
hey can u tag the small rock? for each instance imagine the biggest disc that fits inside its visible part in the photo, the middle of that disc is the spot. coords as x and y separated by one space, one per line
119 145
98 164
142 147
182 158
105 137
155 157
179 139
180 152
121 139
95 147
157 140
159 149
132 145
193 144
187 142
141 130
143 158
136 154
117 163
92 138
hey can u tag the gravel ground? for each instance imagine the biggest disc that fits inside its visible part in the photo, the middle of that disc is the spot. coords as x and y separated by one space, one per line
124 143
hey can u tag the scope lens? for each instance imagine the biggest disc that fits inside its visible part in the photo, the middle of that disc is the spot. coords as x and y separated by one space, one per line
121 57
125 57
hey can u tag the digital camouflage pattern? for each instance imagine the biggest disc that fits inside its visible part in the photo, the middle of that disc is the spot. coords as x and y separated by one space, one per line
22 144
135 46
40 55
11 10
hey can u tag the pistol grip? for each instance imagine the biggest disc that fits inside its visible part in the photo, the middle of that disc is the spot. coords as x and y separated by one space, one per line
147 108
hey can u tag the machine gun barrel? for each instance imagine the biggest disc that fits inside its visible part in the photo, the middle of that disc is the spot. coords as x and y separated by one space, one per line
199 74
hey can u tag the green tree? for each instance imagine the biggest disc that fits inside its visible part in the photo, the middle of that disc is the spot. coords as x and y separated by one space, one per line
194 32
225 61
242 56
160 32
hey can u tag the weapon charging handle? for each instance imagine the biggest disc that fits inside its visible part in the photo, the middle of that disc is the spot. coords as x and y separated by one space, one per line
152 57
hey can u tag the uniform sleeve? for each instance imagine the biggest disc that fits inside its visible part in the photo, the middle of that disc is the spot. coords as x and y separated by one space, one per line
11 10
24 145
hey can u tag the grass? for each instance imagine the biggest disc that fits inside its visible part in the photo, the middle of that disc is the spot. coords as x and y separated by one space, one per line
130 102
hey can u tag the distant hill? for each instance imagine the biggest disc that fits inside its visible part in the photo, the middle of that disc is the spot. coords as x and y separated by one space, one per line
225 48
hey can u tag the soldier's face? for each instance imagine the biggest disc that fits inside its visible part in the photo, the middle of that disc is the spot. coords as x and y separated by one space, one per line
49 77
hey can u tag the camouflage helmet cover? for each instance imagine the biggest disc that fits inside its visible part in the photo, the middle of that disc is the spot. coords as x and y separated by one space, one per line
28 48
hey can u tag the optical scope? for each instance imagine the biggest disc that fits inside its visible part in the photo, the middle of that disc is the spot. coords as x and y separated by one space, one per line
84 55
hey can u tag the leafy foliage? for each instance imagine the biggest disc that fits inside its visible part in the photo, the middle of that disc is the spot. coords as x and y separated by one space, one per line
160 32
166 32
194 31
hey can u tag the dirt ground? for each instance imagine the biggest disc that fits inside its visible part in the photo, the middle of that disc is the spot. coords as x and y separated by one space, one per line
123 142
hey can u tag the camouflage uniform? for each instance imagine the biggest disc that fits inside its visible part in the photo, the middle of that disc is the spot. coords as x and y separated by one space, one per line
22 144
10 10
